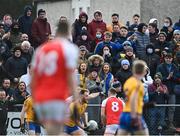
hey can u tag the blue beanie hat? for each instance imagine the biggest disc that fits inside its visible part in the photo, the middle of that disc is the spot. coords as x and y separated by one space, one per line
125 62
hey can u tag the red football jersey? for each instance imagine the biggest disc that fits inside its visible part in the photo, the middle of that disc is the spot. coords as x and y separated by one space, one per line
113 109
51 63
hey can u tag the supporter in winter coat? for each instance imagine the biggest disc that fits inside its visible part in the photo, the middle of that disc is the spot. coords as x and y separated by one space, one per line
162 44
153 34
134 26
152 59
95 62
107 41
124 73
115 21
106 78
177 25
115 33
96 24
40 29
83 39
175 43
25 21
142 39
7 20
16 66
158 93
168 28
79 25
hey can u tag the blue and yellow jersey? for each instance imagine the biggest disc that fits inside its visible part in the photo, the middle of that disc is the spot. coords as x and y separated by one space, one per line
81 108
130 86
30 113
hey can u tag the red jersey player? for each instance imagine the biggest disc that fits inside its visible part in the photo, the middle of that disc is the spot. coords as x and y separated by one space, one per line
53 79
111 110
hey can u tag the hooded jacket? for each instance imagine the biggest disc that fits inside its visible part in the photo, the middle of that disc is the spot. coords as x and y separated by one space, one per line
78 26
25 22
94 26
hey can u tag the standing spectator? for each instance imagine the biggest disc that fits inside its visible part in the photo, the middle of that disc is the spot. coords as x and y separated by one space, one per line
79 25
7 19
25 21
153 34
40 29
158 94
83 54
142 39
115 21
96 24
123 35
16 66
177 25
4 51
106 53
152 60
168 28
175 43
27 51
106 77
99 38
84 39
15 34
107 41
124 73
161 44
115 33
169 74
136 21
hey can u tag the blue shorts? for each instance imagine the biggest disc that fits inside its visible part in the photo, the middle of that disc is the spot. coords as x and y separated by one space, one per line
125 122
69 129
34 126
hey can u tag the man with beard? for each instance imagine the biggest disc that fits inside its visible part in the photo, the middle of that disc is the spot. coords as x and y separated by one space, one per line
115 21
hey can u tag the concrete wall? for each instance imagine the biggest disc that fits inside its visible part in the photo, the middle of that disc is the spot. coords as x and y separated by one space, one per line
125 8
160 9
54 10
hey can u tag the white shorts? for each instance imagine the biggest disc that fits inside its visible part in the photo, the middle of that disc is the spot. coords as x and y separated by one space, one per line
111 129
52 111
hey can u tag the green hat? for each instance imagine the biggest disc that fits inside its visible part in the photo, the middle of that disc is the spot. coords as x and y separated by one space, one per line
159 75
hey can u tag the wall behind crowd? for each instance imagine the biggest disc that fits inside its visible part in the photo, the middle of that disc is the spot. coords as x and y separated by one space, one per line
159 9
14 7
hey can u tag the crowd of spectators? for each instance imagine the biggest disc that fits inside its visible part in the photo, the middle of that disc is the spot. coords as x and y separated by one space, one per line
106 54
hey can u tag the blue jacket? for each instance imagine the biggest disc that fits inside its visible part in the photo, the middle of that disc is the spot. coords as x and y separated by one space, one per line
114 47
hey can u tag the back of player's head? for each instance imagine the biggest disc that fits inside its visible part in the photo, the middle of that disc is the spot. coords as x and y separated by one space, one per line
112 91
139 67
63 28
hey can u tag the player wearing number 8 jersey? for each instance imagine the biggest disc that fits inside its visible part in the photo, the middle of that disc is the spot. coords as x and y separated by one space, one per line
53 79
111 110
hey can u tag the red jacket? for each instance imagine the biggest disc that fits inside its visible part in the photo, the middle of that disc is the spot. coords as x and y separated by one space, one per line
40 31
95 26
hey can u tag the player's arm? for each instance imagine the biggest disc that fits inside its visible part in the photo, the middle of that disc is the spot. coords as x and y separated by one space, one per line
85 119
103 116
103 113
93 95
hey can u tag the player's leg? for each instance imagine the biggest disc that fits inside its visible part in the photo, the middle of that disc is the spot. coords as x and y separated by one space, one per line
31 128
74 130
37 130
122 132
143 132
111 130
52 115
